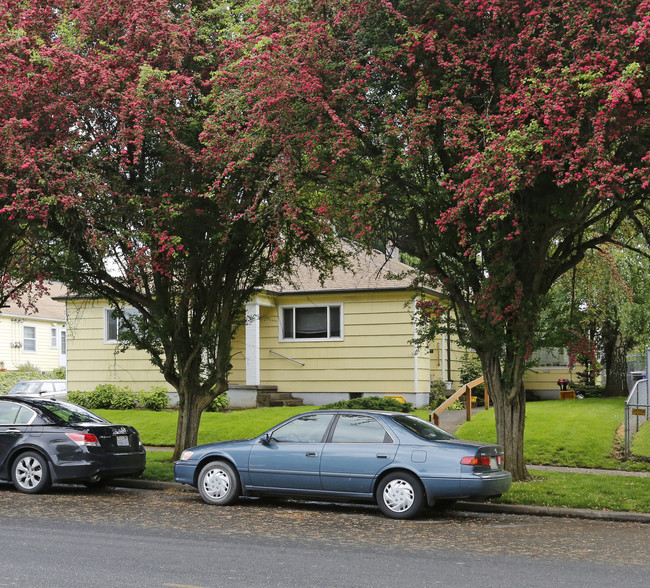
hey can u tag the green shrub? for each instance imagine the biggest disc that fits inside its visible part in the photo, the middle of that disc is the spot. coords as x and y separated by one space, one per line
102 396
55 374
78 397
372 403
105 396
588 391
156 399
470 370
124 399
219 404
437 394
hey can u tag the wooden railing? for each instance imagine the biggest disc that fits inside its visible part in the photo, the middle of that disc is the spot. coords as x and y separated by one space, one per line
466 390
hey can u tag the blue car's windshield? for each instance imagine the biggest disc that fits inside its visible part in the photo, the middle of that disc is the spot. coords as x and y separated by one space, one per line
421 428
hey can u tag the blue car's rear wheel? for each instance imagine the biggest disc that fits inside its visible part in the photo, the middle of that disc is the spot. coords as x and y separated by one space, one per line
219 484
400 495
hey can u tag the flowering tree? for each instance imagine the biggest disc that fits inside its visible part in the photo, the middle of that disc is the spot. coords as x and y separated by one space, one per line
601 305
114 142
18 274
495 140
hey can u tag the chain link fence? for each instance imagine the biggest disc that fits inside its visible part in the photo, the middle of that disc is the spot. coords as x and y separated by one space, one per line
637 405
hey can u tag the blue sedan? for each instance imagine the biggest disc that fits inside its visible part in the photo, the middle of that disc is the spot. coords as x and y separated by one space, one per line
398 460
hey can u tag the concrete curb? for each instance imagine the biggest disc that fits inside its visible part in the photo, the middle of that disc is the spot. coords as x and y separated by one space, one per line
476 507
547 511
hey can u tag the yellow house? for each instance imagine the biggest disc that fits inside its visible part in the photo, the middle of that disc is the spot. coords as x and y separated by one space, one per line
349 336
36 336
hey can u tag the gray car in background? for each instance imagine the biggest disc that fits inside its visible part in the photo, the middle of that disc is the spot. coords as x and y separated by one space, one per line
53 389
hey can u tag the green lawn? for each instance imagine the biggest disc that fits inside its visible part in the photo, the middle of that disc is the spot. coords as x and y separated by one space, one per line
573 433
641 441
576 433
159 428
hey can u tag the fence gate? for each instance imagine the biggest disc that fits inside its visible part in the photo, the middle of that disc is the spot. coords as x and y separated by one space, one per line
637 408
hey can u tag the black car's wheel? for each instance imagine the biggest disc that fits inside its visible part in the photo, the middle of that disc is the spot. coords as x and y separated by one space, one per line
400 495
30 473
219 483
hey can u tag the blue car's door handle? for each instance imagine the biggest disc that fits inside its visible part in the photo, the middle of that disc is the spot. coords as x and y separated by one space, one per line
311 454
382 456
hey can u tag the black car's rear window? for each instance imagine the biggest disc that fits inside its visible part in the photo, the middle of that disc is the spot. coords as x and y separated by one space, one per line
71 413
421 428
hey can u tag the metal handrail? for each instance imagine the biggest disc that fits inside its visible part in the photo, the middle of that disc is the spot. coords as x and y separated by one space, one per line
466 390
286 357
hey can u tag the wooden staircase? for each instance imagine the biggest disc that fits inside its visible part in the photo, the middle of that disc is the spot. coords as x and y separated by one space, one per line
269 396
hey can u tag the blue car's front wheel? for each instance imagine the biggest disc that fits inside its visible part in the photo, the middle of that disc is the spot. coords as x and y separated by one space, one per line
219 484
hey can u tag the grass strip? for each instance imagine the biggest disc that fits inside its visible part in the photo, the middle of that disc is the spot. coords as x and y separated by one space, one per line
590 491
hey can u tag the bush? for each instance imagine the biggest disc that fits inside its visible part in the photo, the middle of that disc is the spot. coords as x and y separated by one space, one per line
437 394
78 397
219 404
105 396
471 370
156 399
372 403
56 374
588 391
124 399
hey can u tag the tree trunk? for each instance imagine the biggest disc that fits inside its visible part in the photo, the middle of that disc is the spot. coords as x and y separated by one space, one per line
510 416
615 361
191 406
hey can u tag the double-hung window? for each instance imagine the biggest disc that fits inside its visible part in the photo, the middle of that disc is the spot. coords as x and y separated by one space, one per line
112 324
29 338
311 322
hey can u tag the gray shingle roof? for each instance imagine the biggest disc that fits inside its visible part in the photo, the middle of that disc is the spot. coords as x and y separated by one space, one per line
370 270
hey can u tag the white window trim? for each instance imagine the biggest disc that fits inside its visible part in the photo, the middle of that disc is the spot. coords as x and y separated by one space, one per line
35 339
281 336
106 314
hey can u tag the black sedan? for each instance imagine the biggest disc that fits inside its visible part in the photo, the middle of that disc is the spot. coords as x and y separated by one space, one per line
43 441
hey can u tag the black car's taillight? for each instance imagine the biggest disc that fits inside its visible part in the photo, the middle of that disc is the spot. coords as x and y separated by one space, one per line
84 439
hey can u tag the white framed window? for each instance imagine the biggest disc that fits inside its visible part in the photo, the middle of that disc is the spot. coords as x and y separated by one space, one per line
29 338
54 338
308 322
112 324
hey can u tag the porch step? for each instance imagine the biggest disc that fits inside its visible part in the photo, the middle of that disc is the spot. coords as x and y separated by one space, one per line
271 397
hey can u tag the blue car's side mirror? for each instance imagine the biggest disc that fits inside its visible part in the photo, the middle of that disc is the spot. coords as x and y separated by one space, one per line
265 439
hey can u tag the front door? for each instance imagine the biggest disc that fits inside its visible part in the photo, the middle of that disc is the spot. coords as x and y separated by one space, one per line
290 459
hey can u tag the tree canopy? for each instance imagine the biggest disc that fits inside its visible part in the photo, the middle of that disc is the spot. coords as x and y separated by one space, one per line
496 141
152 198
200 148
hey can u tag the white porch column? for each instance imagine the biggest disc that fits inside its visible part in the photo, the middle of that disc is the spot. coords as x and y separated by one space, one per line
253 377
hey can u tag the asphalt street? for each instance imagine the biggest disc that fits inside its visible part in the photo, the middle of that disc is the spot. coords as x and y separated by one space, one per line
72 537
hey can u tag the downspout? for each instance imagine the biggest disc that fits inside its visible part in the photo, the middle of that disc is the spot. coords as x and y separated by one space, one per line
253 377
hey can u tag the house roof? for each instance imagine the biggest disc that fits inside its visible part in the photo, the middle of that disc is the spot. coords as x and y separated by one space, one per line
46 307
369 270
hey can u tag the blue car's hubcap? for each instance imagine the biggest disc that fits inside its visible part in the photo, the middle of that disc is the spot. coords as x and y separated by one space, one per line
399 495
216 483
